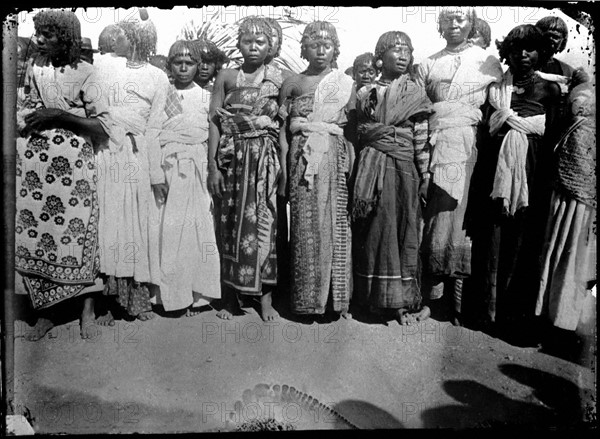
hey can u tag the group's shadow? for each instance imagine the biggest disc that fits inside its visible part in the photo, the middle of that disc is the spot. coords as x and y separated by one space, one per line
555 403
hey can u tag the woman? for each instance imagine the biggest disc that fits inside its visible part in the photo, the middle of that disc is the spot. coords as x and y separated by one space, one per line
569 255
131 171
243 165
456 80
190 272
393 171
57 205
514 177
319 162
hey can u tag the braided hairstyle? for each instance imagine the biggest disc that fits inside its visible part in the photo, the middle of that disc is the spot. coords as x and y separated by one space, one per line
468 11
183 48
142 36
255 25
387 41
67 27
320 29
277 27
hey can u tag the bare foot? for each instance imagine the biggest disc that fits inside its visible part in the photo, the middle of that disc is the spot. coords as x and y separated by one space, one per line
88 320
346 315
456 319
41 328
106 320
424 314
405 318
145 316
267 312
194 310
225 314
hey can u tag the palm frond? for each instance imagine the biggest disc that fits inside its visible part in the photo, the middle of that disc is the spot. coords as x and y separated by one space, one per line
224 35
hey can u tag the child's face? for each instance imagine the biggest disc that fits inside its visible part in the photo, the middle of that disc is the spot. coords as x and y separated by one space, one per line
364 74
183 69
254 48
206 70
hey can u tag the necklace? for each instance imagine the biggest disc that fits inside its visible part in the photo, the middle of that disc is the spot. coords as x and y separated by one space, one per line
522 85
135 64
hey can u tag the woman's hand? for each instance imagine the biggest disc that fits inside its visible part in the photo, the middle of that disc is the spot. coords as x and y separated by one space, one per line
42 119
160 192
216 183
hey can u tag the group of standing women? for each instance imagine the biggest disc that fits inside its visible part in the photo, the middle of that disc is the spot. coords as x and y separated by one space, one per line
392 183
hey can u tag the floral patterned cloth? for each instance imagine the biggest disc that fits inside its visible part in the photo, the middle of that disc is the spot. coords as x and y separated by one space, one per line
57 207
249 161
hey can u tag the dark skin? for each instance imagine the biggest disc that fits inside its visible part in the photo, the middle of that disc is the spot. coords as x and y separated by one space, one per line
254 49
522 62
395 63
319 54
53 49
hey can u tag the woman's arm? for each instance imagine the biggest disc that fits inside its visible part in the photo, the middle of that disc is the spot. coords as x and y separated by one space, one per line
216 183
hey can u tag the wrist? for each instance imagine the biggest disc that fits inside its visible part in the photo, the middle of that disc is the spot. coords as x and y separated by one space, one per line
425 176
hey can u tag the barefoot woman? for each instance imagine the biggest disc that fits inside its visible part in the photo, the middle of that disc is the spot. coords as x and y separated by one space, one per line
393 170
320 160
243 165
57 206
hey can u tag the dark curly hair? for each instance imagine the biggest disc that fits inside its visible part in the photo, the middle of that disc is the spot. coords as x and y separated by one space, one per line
526 36
551 23
142 34
67 27
320 29
388 40
469 12
255 25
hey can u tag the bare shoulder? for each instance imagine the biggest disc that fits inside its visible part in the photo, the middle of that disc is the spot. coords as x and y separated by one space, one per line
292 85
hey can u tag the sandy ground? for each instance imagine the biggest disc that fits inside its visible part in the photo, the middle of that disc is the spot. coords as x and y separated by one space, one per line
186 375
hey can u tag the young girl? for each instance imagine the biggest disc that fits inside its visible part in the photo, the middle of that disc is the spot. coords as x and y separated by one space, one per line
243 166
393 170
190 272
511 221
319 162
57 205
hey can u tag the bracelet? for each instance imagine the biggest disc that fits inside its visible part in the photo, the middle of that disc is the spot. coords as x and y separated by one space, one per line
426 176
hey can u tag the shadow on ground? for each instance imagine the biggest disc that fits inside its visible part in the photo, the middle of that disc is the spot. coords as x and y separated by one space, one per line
554 402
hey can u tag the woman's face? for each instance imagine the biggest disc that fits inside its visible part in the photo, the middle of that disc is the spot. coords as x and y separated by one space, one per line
364 74
275 43
319 53
183 69
455 27
48 42
396 61
522 58
555 38
254 48
206 70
